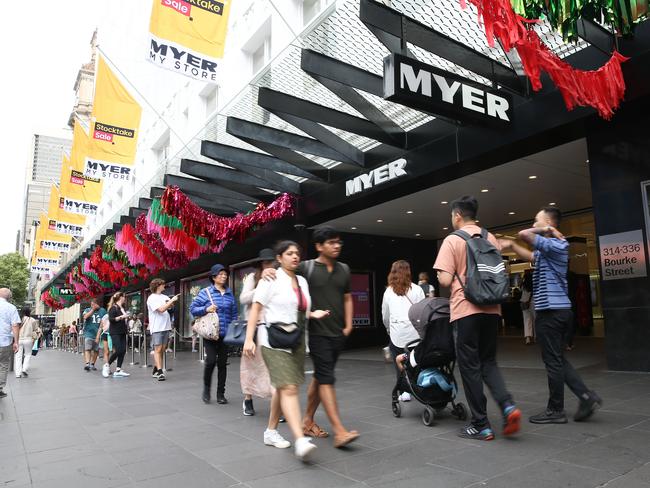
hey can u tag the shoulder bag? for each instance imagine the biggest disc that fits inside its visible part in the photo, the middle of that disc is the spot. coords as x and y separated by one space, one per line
207 326
285 336
236 334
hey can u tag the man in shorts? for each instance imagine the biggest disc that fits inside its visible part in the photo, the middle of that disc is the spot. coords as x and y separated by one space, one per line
92 317
160 324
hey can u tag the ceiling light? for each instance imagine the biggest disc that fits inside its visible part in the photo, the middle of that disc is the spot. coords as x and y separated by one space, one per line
379 221
532 177
409 211
484 190
353 228
418 235
477 221
587 161
511 213
552 203
444 202
445 228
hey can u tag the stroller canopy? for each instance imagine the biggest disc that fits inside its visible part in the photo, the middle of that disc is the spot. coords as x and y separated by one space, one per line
426 311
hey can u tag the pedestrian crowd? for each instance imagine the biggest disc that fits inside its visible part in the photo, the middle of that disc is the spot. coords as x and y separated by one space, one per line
291 306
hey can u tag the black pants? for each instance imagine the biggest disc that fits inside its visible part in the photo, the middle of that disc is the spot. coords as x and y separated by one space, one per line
476 351
551 327
394 352
216 355
119 349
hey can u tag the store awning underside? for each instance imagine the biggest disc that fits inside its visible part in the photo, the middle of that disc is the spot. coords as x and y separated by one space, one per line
317 115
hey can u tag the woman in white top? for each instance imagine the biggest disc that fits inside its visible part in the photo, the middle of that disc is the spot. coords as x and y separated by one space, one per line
253 375
400 294
285 301
29 331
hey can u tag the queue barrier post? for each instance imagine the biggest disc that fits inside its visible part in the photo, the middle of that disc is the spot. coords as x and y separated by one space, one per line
144 350
201 350
133 362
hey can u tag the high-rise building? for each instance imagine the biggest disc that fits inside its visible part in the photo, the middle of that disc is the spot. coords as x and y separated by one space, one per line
43 169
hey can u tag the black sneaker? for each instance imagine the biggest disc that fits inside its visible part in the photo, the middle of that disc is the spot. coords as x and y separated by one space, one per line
471 432
161 376
248 408
156 372
587 407
24 374
221 400
92 366
2 394
282 420
206 395
549 417
87 367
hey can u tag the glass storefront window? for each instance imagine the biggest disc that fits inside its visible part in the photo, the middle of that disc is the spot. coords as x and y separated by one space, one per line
134 303
191 289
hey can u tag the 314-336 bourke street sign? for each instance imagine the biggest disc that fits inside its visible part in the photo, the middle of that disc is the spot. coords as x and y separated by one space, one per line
430 89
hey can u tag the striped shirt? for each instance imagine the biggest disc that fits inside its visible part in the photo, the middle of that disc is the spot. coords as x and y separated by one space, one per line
8 318
550 289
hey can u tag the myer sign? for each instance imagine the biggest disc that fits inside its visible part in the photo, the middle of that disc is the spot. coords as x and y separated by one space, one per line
377 176
425 87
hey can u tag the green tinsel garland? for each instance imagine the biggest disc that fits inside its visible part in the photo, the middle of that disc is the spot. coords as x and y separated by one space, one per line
563 15
158 216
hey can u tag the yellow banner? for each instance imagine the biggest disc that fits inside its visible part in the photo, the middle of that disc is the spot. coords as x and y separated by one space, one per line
46 259
48 239
114 128
80 194
188 36
64 222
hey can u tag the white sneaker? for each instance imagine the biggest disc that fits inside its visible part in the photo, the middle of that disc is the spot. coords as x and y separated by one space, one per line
120 374
106 370
273 438
303 448
405 397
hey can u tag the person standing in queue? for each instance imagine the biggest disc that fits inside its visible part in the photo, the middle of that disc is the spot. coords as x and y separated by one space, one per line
92 317
286 301
160 324
476 328
219 298
553 315
118 330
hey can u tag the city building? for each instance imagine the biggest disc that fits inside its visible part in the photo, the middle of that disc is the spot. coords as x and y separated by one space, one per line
320 116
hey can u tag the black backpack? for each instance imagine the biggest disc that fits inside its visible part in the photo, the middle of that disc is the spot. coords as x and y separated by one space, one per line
487 282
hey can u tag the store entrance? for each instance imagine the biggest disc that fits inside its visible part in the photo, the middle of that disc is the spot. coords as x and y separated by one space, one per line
509 197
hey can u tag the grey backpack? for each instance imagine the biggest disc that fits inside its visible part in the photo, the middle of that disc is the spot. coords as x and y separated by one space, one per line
487 282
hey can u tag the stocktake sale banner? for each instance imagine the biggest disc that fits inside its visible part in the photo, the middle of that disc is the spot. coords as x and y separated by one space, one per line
188 36
62 221
114 133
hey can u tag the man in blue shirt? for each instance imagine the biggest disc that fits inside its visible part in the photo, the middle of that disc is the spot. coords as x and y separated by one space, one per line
553 315
9 331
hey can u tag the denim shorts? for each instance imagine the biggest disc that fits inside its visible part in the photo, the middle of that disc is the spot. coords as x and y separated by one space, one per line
160 338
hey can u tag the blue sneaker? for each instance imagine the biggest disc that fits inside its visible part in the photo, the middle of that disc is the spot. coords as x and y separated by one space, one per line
471 432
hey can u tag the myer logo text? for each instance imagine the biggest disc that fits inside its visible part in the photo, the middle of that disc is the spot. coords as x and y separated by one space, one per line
178 58
95 168
69 229
55 246
418 85
377 176
79 207
47 262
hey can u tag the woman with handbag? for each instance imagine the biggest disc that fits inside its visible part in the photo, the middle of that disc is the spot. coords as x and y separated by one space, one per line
253 375
286 303
400 294
219 300
29 332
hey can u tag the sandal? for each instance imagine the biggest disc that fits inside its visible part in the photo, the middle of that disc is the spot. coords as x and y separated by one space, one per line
315 431
345 439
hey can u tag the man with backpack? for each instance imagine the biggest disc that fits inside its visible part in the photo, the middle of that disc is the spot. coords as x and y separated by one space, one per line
469 262
553 315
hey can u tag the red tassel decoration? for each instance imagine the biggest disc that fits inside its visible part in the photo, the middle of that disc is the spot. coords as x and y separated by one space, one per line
126 240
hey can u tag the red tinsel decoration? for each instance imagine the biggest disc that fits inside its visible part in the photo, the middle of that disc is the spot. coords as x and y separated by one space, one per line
219 230
127 240
173 259
602 89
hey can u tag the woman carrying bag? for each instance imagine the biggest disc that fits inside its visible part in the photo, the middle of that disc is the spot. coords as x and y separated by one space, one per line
29 333
217 298
286 303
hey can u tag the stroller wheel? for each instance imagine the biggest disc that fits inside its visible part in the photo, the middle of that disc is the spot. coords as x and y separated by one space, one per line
460 411
397 409
428 416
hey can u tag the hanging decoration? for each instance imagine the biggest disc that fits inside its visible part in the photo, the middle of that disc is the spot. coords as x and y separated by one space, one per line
127 240
220 230
172 259
171 233
602 89
563 15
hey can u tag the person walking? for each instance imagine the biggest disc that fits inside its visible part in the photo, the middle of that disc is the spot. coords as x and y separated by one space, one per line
9 335
428 289
219 298
160 323
553 315
29 332
253 375
103 338
285 301
527 307
400 294
118 330
136 330
476 328
73 334
92 317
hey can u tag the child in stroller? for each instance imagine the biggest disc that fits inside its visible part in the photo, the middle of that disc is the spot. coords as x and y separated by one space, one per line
427 365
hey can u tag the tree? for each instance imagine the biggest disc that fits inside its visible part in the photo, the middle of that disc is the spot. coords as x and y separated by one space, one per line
14 274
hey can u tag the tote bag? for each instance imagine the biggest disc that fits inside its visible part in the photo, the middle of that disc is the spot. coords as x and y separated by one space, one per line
208 325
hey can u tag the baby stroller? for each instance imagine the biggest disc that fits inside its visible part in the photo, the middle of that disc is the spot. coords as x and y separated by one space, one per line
428 372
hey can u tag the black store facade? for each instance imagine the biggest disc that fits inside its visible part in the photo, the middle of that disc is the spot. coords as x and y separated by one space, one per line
514 150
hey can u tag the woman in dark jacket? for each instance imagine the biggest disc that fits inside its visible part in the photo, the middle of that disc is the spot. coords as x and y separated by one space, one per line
216 351
118 331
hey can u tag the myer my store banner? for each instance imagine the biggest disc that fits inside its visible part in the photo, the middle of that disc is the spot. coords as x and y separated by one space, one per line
114 133
48 239
63 222
188 36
